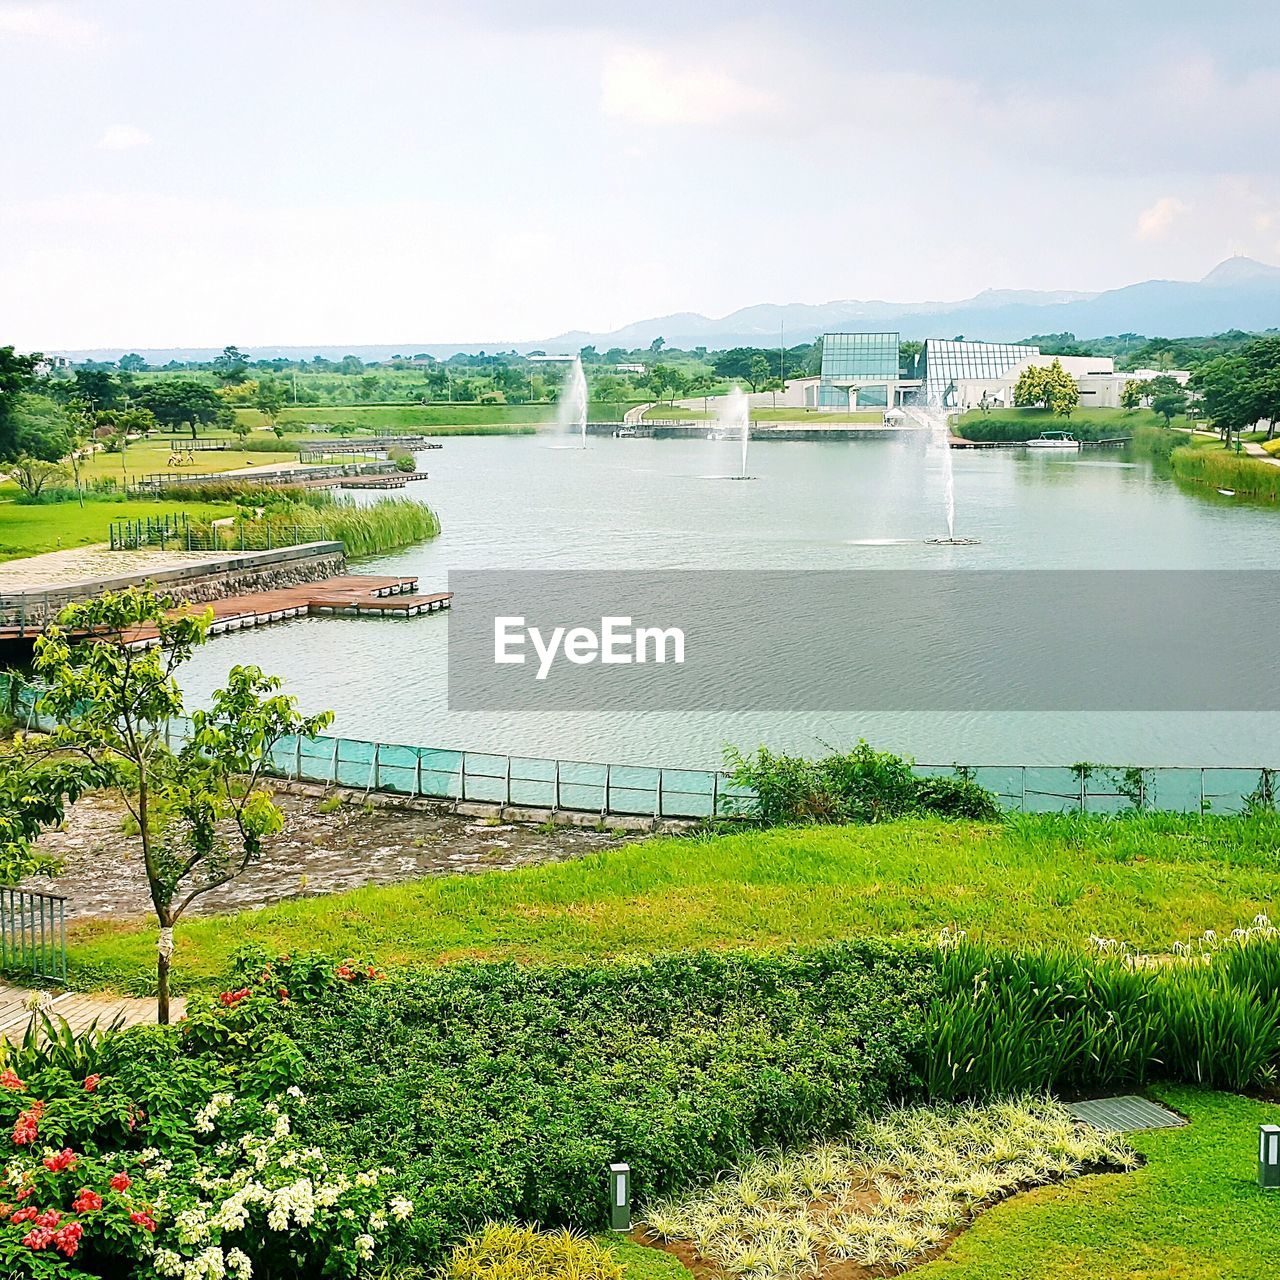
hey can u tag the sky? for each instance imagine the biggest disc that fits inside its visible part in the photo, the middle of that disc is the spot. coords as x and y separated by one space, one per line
176 172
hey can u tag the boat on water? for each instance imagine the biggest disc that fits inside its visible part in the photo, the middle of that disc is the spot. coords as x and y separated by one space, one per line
1054 440
626 433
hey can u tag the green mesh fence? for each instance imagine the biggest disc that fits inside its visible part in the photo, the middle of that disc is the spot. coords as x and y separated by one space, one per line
640 791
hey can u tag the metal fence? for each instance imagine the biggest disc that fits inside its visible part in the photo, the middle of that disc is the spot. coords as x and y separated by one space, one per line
33 933
177 532
439 773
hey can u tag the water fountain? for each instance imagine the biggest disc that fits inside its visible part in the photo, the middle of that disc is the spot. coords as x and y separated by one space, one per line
932 417
735 417
571 410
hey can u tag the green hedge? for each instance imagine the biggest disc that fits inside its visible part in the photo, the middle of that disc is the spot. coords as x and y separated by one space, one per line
502 1092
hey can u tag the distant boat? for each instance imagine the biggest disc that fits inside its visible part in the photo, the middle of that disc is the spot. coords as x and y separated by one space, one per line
626 433
717 435
1054 440
1227 493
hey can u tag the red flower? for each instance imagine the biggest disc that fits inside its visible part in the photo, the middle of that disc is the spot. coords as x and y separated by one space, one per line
9 1080
49 1218
38 1238
120 1182
91 1083
24 1215
26 1126
231 998
5 1211
284 995
67 1241
345 972
86 1201
64 1159
25 1193
144 1220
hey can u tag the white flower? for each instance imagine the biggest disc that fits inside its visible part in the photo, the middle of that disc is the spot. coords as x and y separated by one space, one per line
377 1220
364 1247
294 1092
167 1263
401 1208
238 1263
367 1178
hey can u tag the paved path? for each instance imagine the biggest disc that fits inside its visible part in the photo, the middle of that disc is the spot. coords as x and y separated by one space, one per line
79 566
79 1010
1255 450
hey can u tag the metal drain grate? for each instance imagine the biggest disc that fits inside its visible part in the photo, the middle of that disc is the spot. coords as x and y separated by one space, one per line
1125 1115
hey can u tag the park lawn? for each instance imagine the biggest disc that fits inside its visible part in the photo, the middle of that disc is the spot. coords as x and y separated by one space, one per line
1192 1212
27 530
151 457
1149 880
461 418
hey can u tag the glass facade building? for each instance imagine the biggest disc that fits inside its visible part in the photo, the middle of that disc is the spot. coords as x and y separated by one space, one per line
943 363
864 363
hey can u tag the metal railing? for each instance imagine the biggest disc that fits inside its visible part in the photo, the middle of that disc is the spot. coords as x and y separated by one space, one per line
658 792
177 532
33 933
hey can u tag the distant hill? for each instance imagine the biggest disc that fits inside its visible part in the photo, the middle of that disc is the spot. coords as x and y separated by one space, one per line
1237 294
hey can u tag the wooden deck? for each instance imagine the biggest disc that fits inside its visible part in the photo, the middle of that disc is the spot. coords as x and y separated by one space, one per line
347 596
79 1010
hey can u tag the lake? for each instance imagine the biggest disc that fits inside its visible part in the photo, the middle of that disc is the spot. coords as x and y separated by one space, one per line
524 502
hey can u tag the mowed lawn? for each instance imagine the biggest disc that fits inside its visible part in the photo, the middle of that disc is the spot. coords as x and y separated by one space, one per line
1147 880
1194 1211
27 530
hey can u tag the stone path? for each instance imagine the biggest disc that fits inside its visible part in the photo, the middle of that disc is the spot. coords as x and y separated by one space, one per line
79 1011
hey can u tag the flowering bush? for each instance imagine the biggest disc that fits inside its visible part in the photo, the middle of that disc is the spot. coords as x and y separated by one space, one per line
242 1197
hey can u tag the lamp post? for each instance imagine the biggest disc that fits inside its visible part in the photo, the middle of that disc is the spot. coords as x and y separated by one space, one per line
1269 1157
620 1197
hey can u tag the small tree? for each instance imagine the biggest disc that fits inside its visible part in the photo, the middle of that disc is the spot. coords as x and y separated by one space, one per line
34 475
1062 396
202 813
1029 391
1135 389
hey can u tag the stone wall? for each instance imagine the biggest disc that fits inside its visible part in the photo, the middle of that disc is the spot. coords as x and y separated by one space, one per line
244 580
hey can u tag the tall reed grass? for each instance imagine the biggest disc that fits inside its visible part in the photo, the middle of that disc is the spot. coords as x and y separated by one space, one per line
1009 1020
1222 470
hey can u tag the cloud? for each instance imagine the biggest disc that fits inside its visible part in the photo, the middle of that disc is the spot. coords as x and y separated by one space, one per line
45 22
643 86
124 137
1154 223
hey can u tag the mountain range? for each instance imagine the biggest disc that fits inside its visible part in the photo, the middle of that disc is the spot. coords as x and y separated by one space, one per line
1239 293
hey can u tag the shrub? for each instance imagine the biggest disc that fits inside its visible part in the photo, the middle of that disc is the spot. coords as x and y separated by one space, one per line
862 785
502 1252
504 1093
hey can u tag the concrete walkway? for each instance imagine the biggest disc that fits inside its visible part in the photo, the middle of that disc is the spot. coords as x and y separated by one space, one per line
1255 450
80 1011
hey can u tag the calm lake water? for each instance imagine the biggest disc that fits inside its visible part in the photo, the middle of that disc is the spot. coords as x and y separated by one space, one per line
523 502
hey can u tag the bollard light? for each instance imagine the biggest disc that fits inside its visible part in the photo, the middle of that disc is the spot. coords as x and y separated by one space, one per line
620 1197
1269 1157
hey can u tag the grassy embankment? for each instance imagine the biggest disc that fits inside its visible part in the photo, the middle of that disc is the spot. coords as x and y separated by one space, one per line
1026 424
1218 468
1149 880
810 417
431 419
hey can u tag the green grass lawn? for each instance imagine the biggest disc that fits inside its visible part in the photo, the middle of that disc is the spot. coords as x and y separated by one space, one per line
149 457
1193 1212
1149 880
410 417
55 526
1119 421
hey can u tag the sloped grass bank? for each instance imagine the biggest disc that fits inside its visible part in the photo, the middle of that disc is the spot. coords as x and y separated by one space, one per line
1149 880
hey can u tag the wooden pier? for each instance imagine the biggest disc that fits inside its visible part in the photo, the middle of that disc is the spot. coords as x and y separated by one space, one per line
393 480
349 596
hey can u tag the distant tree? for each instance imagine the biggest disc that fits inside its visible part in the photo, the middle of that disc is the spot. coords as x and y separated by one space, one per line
231 367
270 399
1157 352
908 353
177 402
656 345
351 365
1223 387
758 371
1135 391
1168 397
664 381
36 426
98 387
1030 391
1062 395
132 363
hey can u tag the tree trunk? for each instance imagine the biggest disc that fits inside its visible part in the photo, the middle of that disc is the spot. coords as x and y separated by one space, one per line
163 962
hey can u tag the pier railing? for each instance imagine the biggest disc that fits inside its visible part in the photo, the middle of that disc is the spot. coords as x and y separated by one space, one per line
33 933
176 532
439 773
